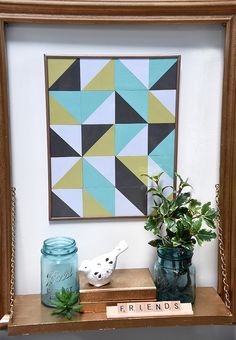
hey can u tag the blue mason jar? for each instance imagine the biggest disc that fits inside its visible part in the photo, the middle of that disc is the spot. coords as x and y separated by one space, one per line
174 275
59 267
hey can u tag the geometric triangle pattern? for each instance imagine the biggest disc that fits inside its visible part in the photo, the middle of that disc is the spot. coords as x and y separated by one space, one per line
105 113
157 133
168 80
140 139
91 135
105 146
157 111
104 80
125 133
125 113
110 120
72 179
69 80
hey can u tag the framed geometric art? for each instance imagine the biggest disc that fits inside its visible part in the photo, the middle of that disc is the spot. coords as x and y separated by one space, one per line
110 120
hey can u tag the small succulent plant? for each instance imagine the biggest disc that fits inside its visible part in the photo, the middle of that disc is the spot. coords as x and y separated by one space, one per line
65 303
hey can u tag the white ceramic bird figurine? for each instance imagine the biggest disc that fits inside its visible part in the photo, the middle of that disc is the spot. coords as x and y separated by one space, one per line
99 270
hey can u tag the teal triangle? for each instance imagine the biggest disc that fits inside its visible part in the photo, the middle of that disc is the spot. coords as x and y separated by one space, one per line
138 100
163 154
124 133
99 187
70 100
125 79
158 67
105 197
91 100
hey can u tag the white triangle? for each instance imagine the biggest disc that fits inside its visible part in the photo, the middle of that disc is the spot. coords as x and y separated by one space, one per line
71 135
154 169
139 67
60 166
105 113
138 146
72 197
105 165
167 98
89 68
123 207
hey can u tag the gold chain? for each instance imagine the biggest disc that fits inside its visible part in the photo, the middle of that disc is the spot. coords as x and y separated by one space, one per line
221 251
13 249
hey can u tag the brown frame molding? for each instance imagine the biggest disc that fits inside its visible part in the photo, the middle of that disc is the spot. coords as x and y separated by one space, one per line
127 12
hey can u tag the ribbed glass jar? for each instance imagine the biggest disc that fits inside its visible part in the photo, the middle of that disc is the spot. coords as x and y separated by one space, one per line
59 267
174 275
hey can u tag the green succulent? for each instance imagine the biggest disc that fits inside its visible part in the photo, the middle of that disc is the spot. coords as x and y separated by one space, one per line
64 305
179 221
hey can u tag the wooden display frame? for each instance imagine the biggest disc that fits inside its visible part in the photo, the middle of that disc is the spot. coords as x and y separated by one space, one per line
128 12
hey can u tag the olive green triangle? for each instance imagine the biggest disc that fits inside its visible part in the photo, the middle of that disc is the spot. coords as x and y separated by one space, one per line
138 165
104 80
105 146
91 208
56 67
58 114
72 179
157 112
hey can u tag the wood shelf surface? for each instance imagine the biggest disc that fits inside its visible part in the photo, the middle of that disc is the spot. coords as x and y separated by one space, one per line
30 316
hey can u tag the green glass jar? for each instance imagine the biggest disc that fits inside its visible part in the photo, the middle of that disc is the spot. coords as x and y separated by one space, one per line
174 275
59 267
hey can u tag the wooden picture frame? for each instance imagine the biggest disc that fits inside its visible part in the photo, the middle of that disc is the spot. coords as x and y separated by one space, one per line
135 203
129 12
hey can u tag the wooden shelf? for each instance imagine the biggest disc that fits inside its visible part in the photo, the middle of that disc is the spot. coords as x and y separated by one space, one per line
32 317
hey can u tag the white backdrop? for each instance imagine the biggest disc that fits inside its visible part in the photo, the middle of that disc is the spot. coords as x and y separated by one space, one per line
201 49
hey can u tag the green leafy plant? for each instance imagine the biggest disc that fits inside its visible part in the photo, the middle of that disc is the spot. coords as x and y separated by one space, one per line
65 303
180 221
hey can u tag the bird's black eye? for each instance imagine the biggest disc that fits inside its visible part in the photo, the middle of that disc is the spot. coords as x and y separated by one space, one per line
85 267
107 259
110 262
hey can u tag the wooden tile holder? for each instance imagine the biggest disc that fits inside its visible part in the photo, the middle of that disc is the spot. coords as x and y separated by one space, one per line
148 309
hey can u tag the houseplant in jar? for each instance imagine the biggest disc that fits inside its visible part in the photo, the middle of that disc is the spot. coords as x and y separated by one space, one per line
179 222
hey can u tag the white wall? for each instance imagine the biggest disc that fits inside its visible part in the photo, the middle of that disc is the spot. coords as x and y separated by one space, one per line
198 155
201 48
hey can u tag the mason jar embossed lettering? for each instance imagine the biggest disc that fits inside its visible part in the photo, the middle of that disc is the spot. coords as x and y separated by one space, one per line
59 267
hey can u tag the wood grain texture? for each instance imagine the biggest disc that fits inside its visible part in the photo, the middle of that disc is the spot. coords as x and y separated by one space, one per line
5 198
126 284
228 159
32 317
118 7
130 12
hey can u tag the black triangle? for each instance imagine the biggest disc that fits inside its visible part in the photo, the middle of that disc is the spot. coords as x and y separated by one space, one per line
125 113
91 134
168 81
131 187
157 133
59 148
60 208
69 80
